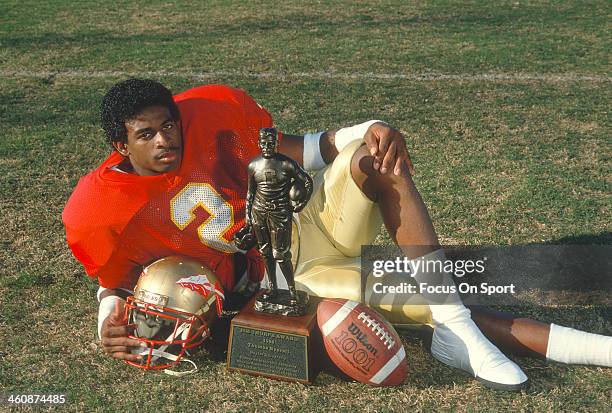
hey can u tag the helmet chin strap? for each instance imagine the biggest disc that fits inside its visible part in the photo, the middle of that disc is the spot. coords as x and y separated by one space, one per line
160 352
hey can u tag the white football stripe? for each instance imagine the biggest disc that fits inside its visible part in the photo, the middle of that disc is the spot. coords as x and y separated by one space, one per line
338 317
388 368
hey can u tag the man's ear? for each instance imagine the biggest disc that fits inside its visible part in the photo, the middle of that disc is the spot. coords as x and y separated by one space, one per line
121 147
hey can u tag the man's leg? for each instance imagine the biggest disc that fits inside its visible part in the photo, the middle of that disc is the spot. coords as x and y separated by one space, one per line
408 223
526 337
337 221
344 211
456 340
342 216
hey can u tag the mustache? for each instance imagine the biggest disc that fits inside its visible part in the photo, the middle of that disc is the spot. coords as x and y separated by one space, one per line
167 151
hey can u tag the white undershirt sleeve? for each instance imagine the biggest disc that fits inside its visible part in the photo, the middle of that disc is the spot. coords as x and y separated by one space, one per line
347 135
106 307
312 159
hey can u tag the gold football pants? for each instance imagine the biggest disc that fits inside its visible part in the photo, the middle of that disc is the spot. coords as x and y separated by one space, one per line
337 221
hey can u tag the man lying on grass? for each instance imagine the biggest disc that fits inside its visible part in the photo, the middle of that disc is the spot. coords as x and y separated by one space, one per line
173 155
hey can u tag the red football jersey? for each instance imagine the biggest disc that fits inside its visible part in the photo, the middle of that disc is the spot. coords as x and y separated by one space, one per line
116 223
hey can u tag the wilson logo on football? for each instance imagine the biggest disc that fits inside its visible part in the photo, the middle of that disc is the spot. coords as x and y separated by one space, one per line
362 338
202 285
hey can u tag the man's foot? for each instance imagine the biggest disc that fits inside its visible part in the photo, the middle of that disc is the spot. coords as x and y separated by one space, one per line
462 345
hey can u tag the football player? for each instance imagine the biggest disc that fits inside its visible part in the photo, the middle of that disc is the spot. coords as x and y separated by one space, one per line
175 185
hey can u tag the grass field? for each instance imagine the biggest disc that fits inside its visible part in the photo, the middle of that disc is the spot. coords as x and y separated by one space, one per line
505 106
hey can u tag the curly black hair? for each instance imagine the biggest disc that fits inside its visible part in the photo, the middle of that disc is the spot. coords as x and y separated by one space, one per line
126 99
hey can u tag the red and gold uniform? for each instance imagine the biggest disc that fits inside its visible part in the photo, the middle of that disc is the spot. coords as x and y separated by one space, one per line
118 222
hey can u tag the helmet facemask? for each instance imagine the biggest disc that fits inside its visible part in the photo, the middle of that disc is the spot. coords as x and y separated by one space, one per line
167 333
173 300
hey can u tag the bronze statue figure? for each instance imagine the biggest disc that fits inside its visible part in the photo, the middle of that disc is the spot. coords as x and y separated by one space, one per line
277 187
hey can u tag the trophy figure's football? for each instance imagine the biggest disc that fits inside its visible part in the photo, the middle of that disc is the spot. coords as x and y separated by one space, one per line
362 343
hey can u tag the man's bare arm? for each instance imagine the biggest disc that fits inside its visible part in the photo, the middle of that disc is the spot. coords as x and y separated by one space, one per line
385 143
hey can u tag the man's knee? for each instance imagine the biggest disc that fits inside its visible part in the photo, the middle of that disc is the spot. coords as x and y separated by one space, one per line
371 182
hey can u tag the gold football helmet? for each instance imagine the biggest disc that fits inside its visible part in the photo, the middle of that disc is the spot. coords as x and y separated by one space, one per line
174 301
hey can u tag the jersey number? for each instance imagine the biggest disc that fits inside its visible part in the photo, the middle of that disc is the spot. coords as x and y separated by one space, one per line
221 214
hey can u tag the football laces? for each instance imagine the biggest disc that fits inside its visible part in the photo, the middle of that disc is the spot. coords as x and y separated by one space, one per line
378 330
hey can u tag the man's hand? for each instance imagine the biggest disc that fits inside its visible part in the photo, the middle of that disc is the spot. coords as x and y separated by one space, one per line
388 147
114 334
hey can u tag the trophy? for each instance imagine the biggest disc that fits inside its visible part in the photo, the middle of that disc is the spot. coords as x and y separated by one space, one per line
273 335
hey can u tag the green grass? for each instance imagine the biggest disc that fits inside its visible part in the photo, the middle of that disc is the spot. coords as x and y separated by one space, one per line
502 162
338 36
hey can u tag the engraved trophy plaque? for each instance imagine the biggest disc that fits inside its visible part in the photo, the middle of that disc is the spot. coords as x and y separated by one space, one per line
275 334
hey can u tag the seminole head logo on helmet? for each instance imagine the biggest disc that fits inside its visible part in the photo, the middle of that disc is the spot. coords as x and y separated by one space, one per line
174 301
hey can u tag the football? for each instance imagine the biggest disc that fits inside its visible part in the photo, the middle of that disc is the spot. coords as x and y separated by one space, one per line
297 192
361 342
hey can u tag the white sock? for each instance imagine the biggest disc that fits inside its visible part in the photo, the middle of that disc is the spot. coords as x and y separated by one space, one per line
567 345
444 308
457 341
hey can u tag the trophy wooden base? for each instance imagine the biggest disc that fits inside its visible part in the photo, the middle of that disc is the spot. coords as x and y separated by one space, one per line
275 346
